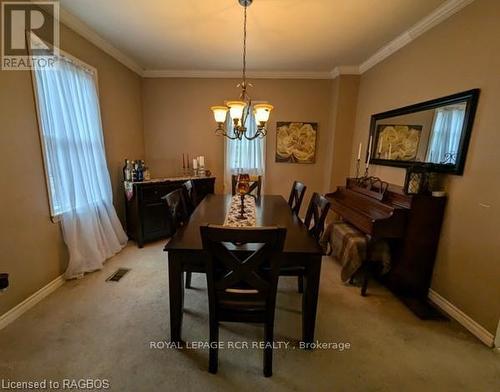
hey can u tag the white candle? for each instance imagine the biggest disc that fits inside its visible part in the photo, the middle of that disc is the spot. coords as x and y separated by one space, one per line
359 151
202 161
195 163
379 147
369 152
390 150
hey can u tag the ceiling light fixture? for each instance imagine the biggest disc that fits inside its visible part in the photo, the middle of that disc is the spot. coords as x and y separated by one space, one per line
239 110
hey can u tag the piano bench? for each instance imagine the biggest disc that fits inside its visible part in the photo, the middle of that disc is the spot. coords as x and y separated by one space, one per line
367 271
357 253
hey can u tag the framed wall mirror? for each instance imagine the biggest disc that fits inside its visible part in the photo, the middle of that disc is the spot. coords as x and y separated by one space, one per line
435 133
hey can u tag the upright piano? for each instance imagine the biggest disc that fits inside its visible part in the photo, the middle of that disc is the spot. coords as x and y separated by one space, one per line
411 224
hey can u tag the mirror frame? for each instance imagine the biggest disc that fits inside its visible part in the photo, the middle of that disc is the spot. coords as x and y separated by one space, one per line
471 97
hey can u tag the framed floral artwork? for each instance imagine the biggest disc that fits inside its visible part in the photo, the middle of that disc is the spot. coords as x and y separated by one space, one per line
399 142
296 142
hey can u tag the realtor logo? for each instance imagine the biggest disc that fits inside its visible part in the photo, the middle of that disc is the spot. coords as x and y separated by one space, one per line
30 35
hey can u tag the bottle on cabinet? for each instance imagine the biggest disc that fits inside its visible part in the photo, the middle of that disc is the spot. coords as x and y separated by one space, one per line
127 170
138 170
135 171
140 176
124 170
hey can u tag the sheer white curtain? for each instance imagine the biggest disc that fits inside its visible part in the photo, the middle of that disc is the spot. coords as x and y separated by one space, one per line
446 133
79 181
244 156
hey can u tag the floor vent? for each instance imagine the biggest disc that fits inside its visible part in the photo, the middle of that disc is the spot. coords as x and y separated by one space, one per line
117 275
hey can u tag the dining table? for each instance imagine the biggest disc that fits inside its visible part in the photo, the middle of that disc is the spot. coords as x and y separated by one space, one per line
185 254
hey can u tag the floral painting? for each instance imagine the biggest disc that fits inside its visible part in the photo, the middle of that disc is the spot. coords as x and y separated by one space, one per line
296 142
398 142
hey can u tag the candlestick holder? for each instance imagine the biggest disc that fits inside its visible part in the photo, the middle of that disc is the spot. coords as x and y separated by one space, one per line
242 188
357 167
242 215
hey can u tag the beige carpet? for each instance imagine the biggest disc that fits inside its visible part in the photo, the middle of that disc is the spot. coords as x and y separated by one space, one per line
94 329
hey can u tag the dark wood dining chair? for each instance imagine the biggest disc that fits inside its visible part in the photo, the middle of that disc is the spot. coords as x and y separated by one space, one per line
190 196
242 285
296 196
190 199
255 185
315 224
316 215
176 203
178 214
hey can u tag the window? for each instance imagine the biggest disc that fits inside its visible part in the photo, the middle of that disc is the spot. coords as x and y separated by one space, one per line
71 135
244 156
78 180
446 134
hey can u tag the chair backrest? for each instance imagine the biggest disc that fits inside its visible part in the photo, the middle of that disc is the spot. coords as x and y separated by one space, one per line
296 196
316 215
246 275
177 208
255 185
190 196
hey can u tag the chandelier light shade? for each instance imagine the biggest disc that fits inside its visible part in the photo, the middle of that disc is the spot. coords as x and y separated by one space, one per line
262 112
236 109
220 113
239 110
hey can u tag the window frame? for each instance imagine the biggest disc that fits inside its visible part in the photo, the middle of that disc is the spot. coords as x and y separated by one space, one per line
55 216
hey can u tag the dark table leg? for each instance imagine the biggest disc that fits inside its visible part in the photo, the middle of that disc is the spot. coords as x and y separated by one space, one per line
176 295
310 298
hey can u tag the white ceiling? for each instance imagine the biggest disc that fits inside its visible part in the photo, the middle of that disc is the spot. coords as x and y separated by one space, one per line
283 35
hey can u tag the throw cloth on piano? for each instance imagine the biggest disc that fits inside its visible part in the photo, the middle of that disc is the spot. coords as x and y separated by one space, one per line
234 212
352 248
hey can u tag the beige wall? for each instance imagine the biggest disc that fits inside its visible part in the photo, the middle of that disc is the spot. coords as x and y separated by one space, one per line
33 252
177 119
343 117
459 54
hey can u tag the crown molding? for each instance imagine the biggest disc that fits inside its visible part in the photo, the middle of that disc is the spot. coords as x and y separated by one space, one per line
440 14
344 70
211 74
75 24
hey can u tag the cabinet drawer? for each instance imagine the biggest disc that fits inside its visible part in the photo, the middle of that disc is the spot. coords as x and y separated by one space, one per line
153 194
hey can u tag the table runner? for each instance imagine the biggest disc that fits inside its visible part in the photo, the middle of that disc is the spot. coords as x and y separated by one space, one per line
234 211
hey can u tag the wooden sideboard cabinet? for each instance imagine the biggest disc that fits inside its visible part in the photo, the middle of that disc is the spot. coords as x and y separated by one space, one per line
146 212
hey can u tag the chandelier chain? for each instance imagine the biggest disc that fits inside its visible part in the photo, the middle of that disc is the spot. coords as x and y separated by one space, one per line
245 48
238 129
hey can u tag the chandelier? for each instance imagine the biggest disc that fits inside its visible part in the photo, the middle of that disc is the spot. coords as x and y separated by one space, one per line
240 110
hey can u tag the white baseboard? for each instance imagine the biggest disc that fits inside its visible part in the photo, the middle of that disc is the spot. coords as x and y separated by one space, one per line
477 330
32 300
497 338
